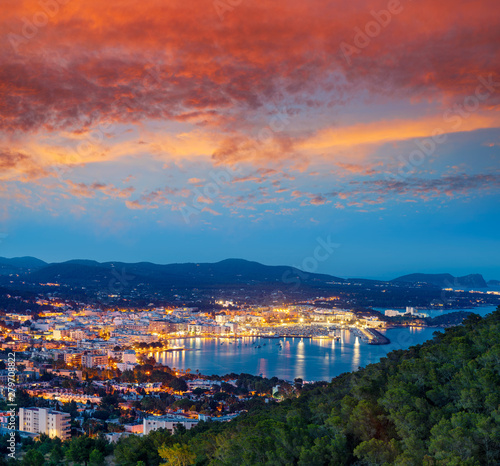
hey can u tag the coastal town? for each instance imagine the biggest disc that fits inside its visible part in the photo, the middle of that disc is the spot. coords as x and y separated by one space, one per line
82 369
118 369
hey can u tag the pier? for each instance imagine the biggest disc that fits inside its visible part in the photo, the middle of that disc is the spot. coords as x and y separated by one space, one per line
374 337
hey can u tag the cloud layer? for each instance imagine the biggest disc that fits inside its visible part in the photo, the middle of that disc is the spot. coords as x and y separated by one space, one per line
282 89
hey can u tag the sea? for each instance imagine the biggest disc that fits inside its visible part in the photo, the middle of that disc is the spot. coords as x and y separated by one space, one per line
290 358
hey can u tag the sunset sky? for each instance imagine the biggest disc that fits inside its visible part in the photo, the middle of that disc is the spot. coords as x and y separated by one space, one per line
178 131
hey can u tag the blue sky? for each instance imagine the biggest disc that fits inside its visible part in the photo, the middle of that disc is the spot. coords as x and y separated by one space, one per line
171 134
435 232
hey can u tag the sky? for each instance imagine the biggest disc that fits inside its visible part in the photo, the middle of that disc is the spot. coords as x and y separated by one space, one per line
356 138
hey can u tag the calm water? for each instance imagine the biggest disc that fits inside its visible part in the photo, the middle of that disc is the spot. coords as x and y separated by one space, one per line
299 357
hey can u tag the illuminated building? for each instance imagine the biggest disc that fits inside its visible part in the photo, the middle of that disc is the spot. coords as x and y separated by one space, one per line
45 421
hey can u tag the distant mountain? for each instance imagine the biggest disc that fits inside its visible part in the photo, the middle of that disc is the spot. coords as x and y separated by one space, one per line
85 262
445 280
20 264
229 271
494 282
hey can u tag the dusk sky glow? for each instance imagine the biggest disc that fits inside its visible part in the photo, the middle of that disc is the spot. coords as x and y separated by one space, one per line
174 131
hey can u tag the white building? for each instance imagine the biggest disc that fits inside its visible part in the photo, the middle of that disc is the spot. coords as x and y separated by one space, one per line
144 338
222 318
409 311
129 356
231 327
45 421
59 334
125 366
167 422
77 334
42 326
392 313
115 436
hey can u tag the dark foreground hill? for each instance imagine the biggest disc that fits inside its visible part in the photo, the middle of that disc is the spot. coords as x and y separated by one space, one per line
433 404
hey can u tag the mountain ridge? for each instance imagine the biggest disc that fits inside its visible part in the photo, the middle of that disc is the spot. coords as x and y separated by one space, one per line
193 274
225 269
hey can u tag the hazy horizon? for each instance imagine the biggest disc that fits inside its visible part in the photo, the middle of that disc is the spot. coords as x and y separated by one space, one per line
320 269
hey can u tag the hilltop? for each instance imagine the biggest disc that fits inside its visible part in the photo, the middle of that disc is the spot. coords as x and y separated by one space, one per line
445 280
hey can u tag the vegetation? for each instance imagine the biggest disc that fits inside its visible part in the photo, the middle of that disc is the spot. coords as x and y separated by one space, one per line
433 404
450 318
51 452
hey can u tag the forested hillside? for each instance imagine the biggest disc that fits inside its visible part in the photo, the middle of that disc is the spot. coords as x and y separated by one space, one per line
434 404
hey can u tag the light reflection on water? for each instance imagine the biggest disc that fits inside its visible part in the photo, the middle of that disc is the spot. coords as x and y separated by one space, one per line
286 358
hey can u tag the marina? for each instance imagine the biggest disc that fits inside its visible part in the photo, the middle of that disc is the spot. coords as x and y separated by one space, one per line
288 357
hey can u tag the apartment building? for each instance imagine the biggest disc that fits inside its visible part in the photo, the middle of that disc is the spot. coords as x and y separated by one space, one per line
74 358
78 334
125 366
94 360
159 326
59 334
45 421
129 356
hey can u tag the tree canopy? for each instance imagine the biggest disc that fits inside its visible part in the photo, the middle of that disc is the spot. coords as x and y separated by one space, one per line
434 404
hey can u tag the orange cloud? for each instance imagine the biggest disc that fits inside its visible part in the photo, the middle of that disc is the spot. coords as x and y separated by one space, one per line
174 81
380 132
130 62
91 190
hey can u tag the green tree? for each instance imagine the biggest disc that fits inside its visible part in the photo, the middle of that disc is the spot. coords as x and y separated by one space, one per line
177 455
129 451
178 385
96 458
433 404
57 454
375 451
33 458
80 449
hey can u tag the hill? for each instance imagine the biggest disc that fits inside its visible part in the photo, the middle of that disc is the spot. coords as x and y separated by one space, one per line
197 284
20 264
433 404
444 280
229 271
448 319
